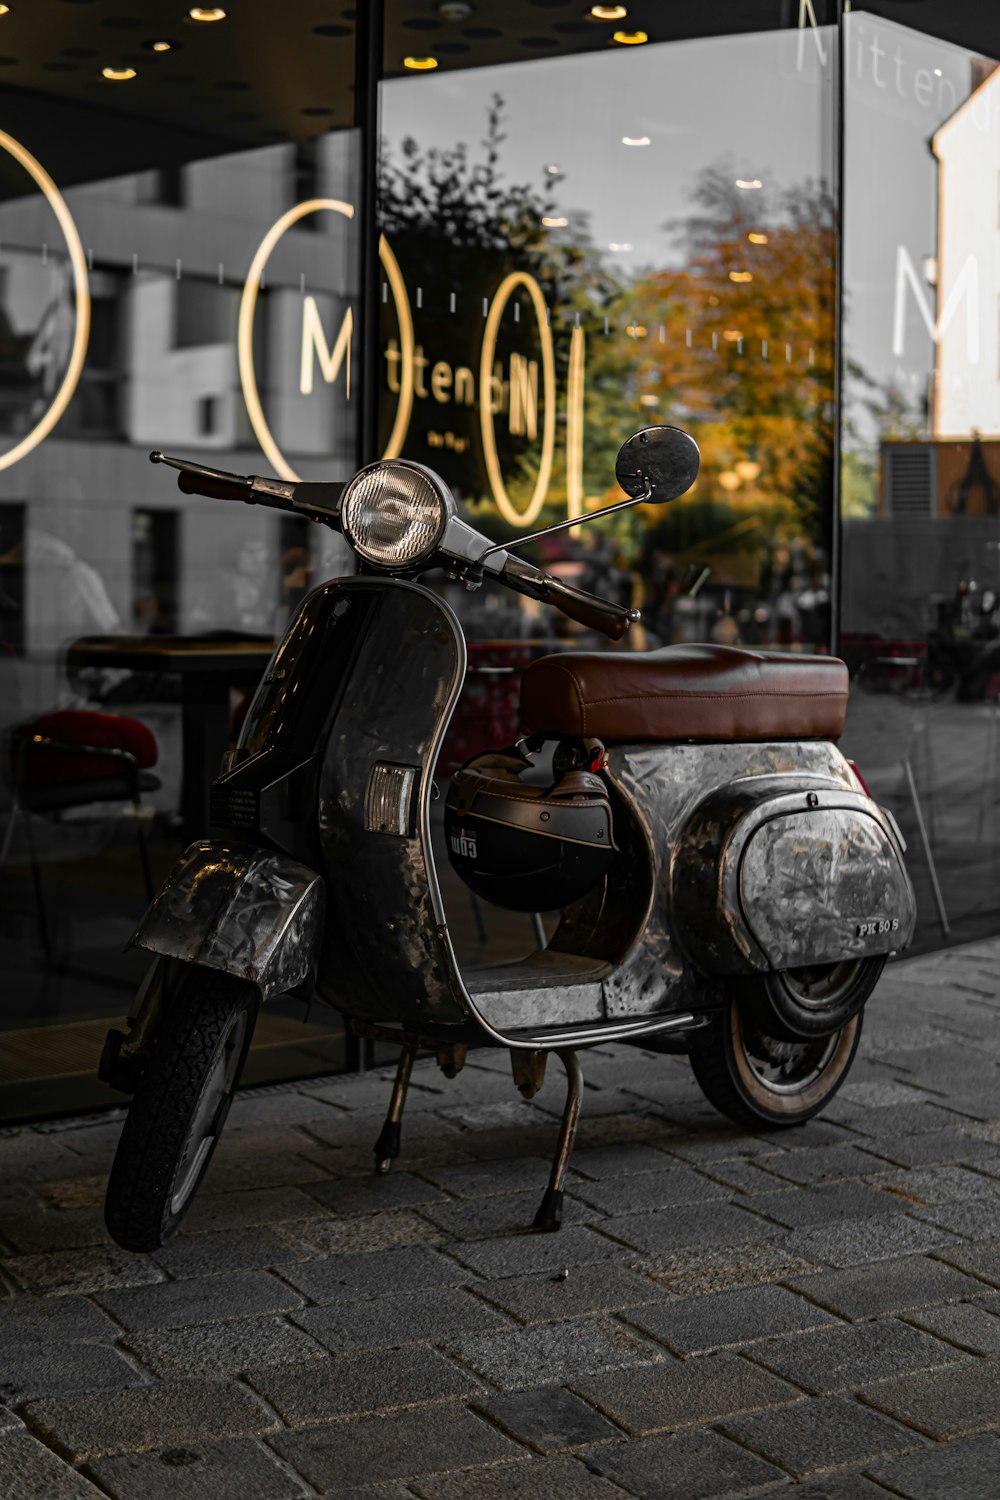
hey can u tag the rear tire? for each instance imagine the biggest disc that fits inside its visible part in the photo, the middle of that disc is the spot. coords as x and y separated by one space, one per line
179 1107
767 1082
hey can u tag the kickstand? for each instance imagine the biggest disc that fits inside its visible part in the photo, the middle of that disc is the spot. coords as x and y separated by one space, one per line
387 1145
549 1215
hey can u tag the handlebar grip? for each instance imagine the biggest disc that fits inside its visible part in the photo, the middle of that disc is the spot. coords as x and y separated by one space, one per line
612 620
216 489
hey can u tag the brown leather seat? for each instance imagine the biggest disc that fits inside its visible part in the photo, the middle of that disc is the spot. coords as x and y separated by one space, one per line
686 693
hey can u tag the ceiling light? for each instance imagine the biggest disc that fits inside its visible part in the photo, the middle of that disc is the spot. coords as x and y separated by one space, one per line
937 71
635 140
608 12
615 245
748 183
160 46
207 13
118 75
555 223
4 10
636 331
630 38
757 239
741 276
552 170
420 64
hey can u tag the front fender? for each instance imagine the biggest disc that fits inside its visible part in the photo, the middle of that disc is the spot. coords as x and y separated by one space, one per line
252 913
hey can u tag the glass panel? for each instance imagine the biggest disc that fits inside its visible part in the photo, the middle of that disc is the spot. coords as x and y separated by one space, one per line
921 462
141 215
582 245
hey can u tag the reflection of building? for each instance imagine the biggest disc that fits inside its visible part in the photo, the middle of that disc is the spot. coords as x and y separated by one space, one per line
168 260
967 367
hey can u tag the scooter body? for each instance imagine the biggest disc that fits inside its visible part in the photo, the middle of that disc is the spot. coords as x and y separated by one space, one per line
734 858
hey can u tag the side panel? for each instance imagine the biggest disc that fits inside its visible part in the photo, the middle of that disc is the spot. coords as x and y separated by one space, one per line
250 912
388 955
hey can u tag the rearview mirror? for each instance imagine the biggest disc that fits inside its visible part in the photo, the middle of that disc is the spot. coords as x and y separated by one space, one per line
657 464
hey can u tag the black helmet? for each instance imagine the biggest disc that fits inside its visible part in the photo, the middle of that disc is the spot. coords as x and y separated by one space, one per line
525 845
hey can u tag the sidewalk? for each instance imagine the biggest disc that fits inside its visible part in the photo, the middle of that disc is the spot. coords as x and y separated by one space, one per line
815 1312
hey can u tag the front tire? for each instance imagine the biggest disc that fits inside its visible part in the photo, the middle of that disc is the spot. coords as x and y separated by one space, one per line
768 1082
179 1108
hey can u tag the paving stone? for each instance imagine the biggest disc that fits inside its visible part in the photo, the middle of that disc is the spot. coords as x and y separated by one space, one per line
980 1260
585 1289
631 1159
284 1108
9 1422
255 1169
943 1184
226 1251
517 1175
820 1206
508 1213
36 1227
682 1466
361 1236
237 1210
682 1393
238 1469
921 1118
344 1278
548 1419
644 1191
55 1368
519 1255
825 1360
840 1487
553 1352
887 1287
690 1325
545 1479
164 1415
62 1318
200 1299
828 1433
854 1241
719 1223
820 1164
722 1143
975 1218
66 1272
969 1468
965 1324
355 1384
952 1403
223 1348
401 1445
30 1471
389 1322
934 1148
717 1268
375 1193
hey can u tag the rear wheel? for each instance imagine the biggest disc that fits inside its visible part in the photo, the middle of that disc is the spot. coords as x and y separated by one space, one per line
813 1001
179 1108
769 1082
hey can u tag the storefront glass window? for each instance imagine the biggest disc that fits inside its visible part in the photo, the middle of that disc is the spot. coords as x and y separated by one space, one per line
921 456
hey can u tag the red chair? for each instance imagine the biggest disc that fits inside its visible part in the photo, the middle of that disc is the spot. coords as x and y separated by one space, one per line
70 759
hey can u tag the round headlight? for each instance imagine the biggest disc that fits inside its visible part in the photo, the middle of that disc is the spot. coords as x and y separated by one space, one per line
393 514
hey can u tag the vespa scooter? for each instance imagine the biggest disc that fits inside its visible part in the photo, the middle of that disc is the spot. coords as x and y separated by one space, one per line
726 886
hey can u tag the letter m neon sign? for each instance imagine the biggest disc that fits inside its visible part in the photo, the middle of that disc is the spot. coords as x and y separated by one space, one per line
966 285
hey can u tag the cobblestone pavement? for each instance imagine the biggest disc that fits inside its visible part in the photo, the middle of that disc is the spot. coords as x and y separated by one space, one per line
815 1312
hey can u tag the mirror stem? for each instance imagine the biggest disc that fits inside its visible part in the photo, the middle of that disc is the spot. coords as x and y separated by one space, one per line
595 515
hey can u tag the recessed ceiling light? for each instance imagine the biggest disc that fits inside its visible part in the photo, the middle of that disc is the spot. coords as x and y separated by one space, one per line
552 169
161 46
554 222
420 64
748 183
608 12
619 245
630 38
118 75
635 140
741 276
207 13
757 239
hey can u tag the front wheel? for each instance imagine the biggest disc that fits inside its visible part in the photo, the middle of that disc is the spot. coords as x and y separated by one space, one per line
179 1108
770 1082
